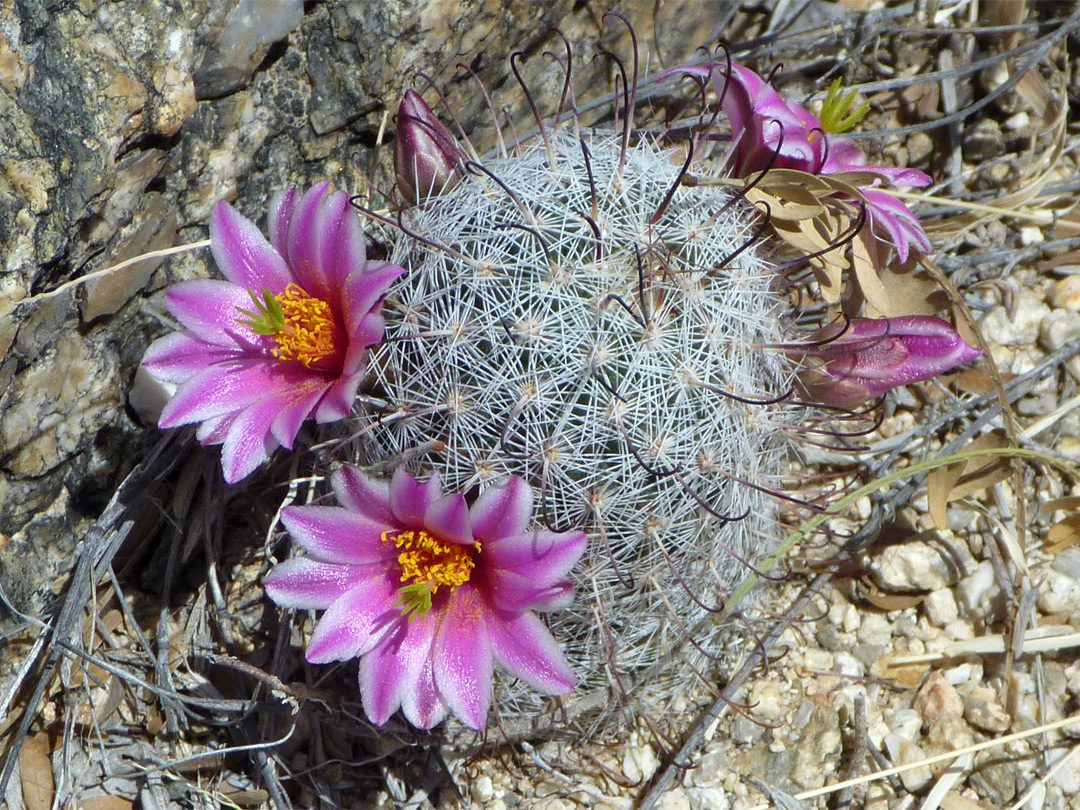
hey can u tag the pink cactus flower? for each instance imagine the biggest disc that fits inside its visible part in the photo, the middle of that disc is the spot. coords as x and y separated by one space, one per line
427 159
873 356
428 592
285 337
770 132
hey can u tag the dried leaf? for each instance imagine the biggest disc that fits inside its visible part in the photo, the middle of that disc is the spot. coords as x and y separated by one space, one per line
865 258
919 292
1063 535
1068 502
35 768
964 478
976 381
106 803
782 206
889 602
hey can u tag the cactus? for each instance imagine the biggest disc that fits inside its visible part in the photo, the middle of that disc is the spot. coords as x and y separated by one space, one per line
574 315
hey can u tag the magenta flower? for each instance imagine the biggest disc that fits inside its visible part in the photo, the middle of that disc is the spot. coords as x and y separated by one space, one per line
428 592
770 132
285 337
426 157
871 357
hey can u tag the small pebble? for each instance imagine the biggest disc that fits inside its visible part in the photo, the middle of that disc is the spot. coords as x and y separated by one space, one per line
975 592
1067 563
1060 594
482 789
1023 328
959 630
875 630
1066 294
937 699
1058 329
940 607
982 710
1031 235
902 752
639 763
851 621
905 723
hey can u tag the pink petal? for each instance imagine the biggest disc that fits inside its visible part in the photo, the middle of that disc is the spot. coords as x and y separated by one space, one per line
214 430
398 673
368 333
178 356
898 221
306 584
229 387
515 593
364 494
294 407
278 218
502 510
355 624
362 294
248 442
210 310
342 251
448 519
462 657
525 648
409 499
242 253
337 402
542 557
303 242
336 535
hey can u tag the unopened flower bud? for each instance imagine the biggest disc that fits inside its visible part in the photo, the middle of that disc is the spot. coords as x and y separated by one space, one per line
873 356
426 156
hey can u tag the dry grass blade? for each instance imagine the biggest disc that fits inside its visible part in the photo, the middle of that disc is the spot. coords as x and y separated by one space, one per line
960 480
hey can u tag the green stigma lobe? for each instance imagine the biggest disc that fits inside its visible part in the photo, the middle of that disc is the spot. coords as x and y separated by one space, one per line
836 112
414 600
268 317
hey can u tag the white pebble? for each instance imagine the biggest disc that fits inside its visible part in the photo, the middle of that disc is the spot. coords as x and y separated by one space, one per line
941 607
905 723
975 592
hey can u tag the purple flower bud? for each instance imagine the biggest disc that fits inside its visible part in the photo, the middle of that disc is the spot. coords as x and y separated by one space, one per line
426 156
873 356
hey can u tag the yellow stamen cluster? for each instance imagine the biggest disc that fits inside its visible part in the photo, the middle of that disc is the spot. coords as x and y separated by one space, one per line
426 560
308 334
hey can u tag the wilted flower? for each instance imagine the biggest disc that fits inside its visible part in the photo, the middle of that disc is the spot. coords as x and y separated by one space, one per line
770 132
283 338
873 356
426 156
428 592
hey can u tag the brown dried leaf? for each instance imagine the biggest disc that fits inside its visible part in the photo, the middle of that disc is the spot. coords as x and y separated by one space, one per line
883 600
1068 502
964 478
973 381
35 768
919 292
1063 534
782 206
866 259
106 803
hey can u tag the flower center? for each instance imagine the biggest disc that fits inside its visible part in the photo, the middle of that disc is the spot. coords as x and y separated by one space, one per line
302 326
428 563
